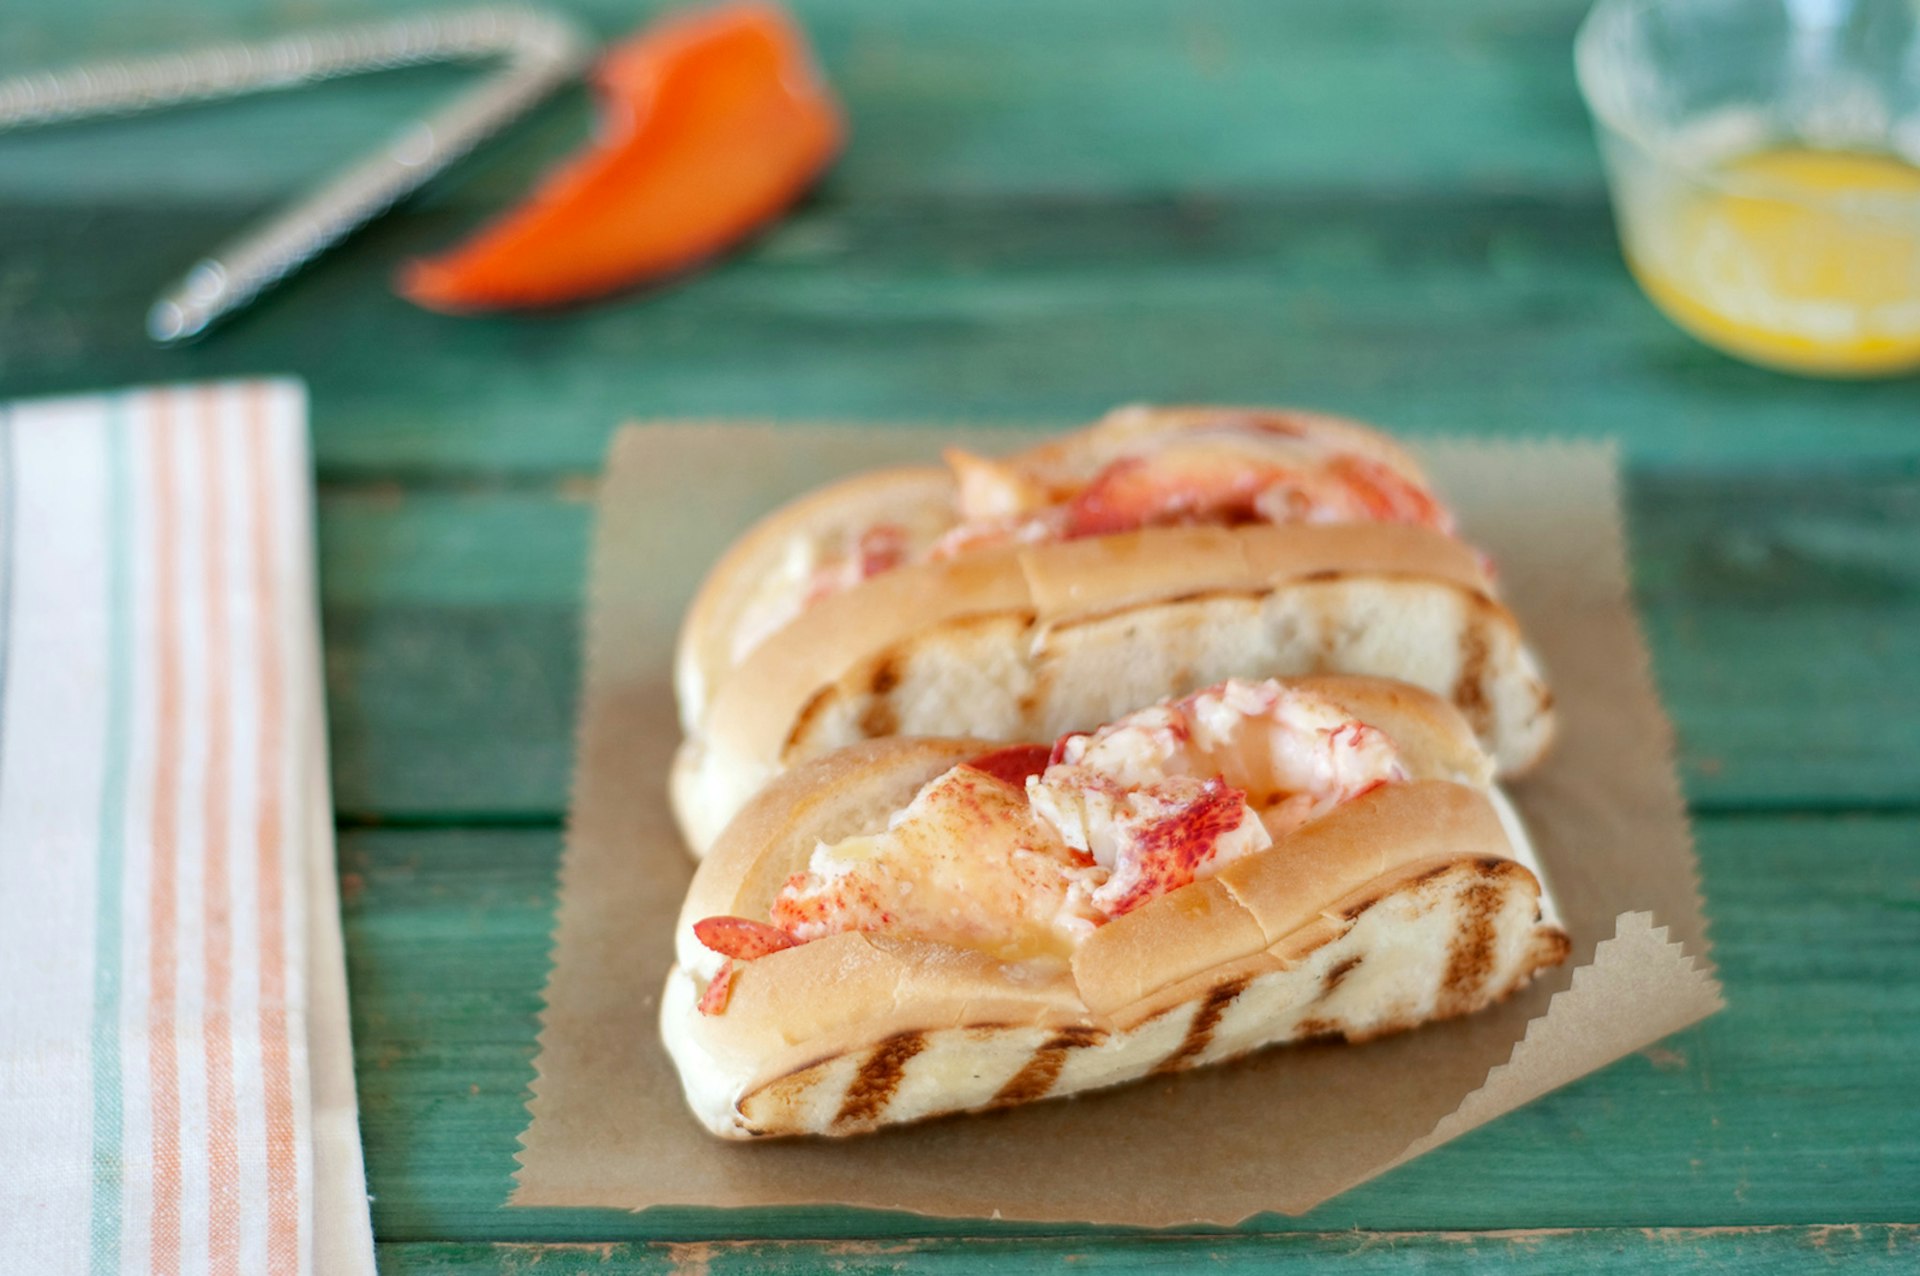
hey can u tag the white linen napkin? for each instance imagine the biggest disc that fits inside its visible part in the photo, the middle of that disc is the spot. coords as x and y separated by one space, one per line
176 1080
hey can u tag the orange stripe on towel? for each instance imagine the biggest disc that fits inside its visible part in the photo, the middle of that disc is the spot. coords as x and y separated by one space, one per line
223 1153
162 959
283 1185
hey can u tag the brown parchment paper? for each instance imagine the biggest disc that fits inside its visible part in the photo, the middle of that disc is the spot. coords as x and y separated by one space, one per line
1281 1131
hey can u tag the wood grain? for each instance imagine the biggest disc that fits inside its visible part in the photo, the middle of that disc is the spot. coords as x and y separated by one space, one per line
1385 207
1760 1251
1453 312
993 96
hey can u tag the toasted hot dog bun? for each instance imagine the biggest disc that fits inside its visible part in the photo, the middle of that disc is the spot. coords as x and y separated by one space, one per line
704 657
1026 642
1030 642
921 500
1415 902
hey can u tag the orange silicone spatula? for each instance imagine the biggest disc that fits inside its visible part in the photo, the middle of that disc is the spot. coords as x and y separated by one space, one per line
711 124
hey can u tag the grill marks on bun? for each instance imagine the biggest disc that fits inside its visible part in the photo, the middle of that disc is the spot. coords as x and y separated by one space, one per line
1404 905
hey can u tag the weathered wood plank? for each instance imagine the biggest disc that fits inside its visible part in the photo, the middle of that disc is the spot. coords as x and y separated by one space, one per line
1754 1250
452 650
1795 1106
1784 611
1127 96
1503 314
1049 208
1849 1248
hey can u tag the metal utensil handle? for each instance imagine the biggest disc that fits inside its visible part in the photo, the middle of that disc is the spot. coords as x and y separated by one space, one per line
543 51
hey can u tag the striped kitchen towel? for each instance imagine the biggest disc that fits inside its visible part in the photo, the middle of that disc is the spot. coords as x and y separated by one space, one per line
176 1084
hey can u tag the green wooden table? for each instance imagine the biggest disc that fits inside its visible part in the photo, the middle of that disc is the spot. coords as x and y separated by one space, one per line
1389 208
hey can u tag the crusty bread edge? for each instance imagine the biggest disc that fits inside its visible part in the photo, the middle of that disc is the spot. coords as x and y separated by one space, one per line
752 712
703 653
703 656
811 668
